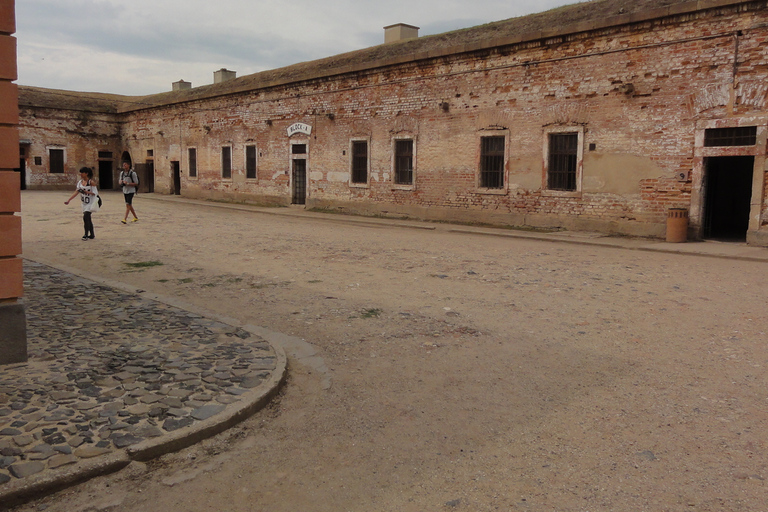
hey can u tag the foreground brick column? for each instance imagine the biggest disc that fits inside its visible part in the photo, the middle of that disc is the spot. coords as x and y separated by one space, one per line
13 322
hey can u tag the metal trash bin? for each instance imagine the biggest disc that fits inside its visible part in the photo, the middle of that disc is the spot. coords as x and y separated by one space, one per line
677 225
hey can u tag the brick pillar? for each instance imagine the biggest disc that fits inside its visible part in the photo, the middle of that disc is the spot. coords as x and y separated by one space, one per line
13 321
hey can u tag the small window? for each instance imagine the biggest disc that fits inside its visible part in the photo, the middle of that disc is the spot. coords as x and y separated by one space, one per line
299 149
38 160
150 153
360 161
250 162
741 136
492 162
56 158
563 161
106 155
404 162
226 162
192 162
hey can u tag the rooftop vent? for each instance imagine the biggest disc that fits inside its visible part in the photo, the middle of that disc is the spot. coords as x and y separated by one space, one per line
181 85
223 75
400 32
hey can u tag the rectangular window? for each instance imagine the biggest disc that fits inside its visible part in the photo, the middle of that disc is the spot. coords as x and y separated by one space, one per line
563 161
226 162
741 136
250 162
403 162
492 162
192 162
56 158
107 155
360 161
298 149
150 153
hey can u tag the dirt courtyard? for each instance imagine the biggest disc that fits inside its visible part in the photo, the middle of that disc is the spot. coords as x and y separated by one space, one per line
467 372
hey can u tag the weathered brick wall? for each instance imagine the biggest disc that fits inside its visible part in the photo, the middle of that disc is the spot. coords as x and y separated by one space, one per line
638 93
81 134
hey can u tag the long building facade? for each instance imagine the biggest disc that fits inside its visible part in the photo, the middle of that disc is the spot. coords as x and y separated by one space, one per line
596 116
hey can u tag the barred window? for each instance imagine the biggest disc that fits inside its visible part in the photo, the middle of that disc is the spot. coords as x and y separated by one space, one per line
404 162
563 161
359 161
740 136
250 162
492 162
226 162
192 162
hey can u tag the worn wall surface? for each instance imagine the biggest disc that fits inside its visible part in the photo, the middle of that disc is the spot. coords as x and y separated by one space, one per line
636 92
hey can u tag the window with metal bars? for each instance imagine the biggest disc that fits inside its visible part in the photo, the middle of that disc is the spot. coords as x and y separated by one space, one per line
404 162
56 160
739 136
226 162
105 155
492 162
563 161
192 162
360 161
250 162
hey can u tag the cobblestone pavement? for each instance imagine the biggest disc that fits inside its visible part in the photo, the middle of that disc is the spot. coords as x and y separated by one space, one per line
110 369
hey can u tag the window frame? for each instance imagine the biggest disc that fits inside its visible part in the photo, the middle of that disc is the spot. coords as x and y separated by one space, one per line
226 163
395 156
254 175
579 170
501 134
57 149
192 162
353 156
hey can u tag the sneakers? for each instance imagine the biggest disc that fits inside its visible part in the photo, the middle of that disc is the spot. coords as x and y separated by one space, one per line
85 237
91 237
123 222
135 219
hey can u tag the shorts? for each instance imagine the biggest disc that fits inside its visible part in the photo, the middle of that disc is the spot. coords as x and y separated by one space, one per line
128 198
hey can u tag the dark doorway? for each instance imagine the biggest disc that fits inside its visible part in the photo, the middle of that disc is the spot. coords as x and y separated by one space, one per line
299 182
176 171
105 175
148 185
22 170
728 194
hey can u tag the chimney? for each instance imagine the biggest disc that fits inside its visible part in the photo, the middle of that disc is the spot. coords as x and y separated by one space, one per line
223 75
400 32
181 85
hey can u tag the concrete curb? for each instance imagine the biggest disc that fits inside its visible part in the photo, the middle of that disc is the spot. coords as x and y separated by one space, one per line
17 492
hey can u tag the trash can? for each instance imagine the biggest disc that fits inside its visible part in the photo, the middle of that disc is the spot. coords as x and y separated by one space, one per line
677 225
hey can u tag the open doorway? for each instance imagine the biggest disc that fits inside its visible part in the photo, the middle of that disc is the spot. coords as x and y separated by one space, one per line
728 194
105 175
176 171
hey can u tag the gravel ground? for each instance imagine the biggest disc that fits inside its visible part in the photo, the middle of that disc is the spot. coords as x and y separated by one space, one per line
466 372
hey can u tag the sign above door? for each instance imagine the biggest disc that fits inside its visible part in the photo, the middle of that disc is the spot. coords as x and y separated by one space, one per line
299 128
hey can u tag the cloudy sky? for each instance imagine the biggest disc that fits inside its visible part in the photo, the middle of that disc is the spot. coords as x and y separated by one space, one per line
138 47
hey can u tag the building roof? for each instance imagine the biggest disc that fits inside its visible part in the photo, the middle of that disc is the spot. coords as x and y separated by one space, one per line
570 19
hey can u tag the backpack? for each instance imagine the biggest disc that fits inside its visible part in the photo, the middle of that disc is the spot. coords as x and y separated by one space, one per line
134 178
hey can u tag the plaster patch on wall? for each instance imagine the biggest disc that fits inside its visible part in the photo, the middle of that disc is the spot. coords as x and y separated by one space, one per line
617 173
711 96
525 173
316 175
338 177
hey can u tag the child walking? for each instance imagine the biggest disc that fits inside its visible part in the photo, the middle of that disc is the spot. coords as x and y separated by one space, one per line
89 198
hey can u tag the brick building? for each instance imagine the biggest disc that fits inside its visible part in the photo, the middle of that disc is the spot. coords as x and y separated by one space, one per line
596 116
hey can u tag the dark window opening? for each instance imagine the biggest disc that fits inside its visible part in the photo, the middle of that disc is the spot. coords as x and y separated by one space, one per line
299 149
360 161
38 160
404 162
226 162
150 153
56 157
563 161
192 162
741 136
492 162
250 162
107 155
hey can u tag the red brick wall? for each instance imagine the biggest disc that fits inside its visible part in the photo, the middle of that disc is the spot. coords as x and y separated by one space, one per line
11 287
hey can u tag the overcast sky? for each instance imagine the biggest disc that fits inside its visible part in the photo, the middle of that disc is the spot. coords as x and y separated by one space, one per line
138 47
